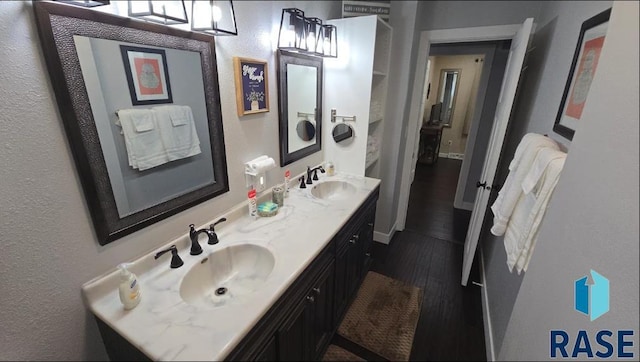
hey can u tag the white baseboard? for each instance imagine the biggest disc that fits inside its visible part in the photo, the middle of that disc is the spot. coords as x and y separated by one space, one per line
486 315
384 238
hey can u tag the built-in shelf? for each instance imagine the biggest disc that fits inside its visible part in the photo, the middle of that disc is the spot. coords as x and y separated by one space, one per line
375 119
371 161
379 73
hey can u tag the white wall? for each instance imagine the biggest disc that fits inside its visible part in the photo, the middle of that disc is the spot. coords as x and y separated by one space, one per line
402 20
592 220
48 245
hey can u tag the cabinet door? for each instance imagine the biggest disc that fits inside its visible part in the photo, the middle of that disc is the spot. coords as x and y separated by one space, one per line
341 294
354 265
269 352
293 336
321 311
307 331
366 240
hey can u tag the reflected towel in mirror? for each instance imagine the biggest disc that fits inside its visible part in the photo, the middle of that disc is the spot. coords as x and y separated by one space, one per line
177 131
142 138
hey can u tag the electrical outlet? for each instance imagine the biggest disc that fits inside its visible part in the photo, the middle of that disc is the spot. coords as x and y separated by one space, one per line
449 142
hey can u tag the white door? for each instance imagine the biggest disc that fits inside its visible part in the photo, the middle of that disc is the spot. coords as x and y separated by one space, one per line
503 112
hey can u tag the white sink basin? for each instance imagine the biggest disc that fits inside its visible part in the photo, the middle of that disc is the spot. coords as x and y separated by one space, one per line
333 190
227 274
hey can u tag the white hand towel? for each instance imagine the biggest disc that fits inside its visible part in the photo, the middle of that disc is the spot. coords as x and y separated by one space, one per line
510 193
552 164
539 167
142 138
180 139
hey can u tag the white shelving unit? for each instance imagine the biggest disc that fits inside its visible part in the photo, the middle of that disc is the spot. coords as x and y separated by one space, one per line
378 102
357 86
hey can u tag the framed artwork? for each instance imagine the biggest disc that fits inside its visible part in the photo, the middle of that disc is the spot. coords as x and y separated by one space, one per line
147 74
252 86
581 73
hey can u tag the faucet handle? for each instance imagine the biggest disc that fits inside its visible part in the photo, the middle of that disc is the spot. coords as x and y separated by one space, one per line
176 261
302 185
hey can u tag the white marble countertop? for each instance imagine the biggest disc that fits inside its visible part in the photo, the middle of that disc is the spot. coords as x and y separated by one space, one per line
164 327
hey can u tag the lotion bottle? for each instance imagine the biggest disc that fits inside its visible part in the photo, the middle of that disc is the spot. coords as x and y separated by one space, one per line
129 287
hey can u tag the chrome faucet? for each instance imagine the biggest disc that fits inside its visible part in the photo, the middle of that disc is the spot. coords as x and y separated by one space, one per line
176 261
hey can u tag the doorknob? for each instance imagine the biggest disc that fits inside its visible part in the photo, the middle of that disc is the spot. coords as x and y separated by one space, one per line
483 185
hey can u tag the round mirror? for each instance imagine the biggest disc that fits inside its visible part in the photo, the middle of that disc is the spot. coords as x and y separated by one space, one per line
342 132
306 130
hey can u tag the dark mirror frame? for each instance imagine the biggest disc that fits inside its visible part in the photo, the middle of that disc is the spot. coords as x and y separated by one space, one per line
57 25
284 58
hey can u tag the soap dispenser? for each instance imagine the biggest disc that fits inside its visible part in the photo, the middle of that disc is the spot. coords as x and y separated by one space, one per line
129 287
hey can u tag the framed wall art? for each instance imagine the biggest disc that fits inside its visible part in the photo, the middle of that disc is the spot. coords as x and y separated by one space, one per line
581 73
252 87
147 74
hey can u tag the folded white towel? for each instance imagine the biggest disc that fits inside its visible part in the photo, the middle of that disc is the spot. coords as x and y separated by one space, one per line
177 131
142 138
179 115
510 193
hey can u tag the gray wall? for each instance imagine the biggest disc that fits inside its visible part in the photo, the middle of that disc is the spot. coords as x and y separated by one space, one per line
462 14
547 67
592 220
485 124
49 248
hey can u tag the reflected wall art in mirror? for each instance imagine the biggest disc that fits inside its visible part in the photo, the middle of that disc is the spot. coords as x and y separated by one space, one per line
140 103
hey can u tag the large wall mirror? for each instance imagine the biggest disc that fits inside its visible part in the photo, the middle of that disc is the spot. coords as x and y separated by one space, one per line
140 104
300 105
449 79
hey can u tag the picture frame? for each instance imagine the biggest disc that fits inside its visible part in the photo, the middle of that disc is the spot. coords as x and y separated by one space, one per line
147 74
252 85
581 73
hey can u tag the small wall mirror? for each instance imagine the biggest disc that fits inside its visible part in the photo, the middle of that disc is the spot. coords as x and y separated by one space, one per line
342 132
300 104
140 104
447 94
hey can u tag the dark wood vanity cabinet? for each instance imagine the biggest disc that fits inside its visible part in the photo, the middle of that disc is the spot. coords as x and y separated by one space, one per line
302 322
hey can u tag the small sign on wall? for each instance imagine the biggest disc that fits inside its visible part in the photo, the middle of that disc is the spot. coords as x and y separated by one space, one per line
352 8
252 87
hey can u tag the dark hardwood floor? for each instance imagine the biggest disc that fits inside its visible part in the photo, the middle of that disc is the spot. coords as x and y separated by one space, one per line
428 254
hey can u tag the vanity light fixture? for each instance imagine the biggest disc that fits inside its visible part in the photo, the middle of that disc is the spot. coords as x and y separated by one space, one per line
329 38
163 12
86 3
313 31
214 17
307 35
292 34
